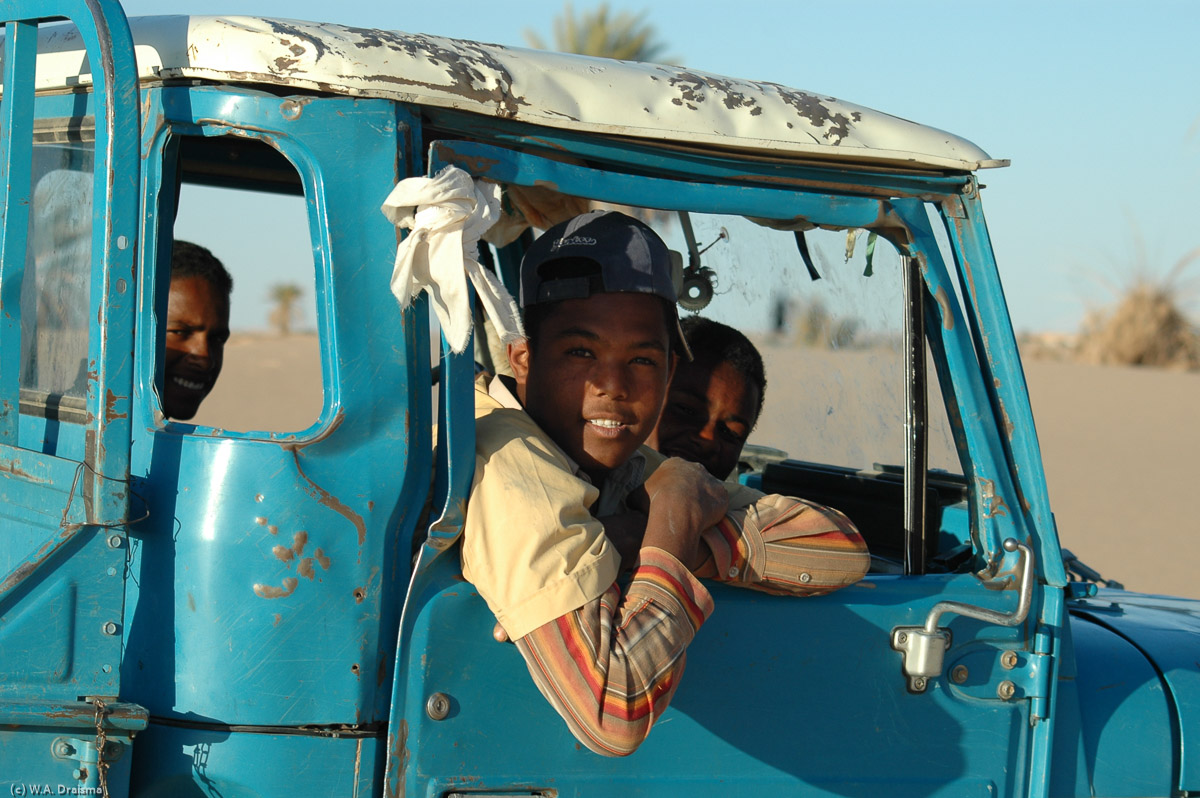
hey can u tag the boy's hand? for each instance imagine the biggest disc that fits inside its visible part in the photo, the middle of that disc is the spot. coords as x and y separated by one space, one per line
625 531
684 500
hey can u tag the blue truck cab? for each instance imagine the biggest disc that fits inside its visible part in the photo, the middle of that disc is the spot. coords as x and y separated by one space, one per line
189 609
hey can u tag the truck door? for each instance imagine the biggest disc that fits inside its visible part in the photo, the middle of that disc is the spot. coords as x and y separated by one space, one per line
817 696
262 614
68 238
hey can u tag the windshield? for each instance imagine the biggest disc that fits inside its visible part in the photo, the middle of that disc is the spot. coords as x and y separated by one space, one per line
831 338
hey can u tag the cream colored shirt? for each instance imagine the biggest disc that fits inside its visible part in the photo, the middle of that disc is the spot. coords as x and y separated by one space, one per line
531 543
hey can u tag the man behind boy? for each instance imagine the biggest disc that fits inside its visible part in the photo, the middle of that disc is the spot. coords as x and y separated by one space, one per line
563 488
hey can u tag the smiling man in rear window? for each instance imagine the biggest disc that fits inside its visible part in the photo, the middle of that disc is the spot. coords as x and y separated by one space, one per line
197 328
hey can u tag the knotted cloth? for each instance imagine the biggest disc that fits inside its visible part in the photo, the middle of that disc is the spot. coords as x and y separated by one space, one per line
447 214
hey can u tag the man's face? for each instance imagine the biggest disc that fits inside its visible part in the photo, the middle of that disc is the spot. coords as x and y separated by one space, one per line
197 328
709 413
596 377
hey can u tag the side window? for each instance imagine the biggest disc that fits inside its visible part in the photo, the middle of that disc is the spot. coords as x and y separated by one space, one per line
254 365
56 287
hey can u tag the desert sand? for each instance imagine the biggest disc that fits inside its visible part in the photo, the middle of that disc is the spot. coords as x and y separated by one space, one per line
1119 445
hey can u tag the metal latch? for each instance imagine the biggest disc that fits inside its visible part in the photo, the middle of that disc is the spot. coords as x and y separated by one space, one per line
924 647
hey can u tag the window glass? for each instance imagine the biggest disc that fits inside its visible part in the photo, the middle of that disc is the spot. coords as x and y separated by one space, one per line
270 375
831 340
56 286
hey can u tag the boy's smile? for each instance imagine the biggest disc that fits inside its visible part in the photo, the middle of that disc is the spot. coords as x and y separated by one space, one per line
596 377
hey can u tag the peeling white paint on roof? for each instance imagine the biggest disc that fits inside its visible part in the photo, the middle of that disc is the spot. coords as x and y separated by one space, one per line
562 91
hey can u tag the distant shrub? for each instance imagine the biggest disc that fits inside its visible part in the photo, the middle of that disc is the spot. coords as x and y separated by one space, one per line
1146 326
815 326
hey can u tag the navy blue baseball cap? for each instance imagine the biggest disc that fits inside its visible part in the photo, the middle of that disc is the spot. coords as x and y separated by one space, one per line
624 256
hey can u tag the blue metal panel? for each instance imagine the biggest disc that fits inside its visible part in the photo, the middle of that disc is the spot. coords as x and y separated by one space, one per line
454 468
1167 632
509 166
1116 737
998 507
16 160
1004 376
57 745
41 760
270 569
985 462
455 464
839 717
171 761
62 593
105 33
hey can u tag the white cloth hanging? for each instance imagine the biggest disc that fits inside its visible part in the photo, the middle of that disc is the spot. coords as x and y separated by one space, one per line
447 214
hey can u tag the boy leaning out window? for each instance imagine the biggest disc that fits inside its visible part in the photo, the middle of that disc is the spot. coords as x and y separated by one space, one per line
565 492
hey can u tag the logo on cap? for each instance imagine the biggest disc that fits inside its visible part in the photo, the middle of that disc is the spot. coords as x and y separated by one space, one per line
573 241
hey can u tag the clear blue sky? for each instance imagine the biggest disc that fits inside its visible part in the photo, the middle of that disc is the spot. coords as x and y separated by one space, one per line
1097 104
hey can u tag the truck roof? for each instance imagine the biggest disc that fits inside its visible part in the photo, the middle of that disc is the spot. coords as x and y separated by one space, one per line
563 91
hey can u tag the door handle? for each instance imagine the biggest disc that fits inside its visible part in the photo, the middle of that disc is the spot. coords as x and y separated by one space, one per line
924 647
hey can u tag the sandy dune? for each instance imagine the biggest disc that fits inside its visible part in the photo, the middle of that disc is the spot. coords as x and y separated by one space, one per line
1119 447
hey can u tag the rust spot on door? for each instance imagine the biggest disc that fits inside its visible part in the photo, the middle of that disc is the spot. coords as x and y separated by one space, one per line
993 504
393 786
14 467
332 502
477 165
273 592
110 405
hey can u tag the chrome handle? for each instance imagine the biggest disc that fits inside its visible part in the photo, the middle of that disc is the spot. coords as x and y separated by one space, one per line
1024 586
924 647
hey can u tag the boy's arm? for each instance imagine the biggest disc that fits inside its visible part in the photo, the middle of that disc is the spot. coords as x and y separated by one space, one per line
611 667
780 544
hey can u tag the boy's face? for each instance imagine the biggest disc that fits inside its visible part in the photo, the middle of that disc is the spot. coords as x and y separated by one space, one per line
709 414
596 377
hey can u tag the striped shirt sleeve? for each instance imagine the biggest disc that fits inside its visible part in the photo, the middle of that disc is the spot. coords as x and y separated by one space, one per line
611 667
780 544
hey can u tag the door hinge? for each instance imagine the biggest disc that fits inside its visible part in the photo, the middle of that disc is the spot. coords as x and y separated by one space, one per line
1003 674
